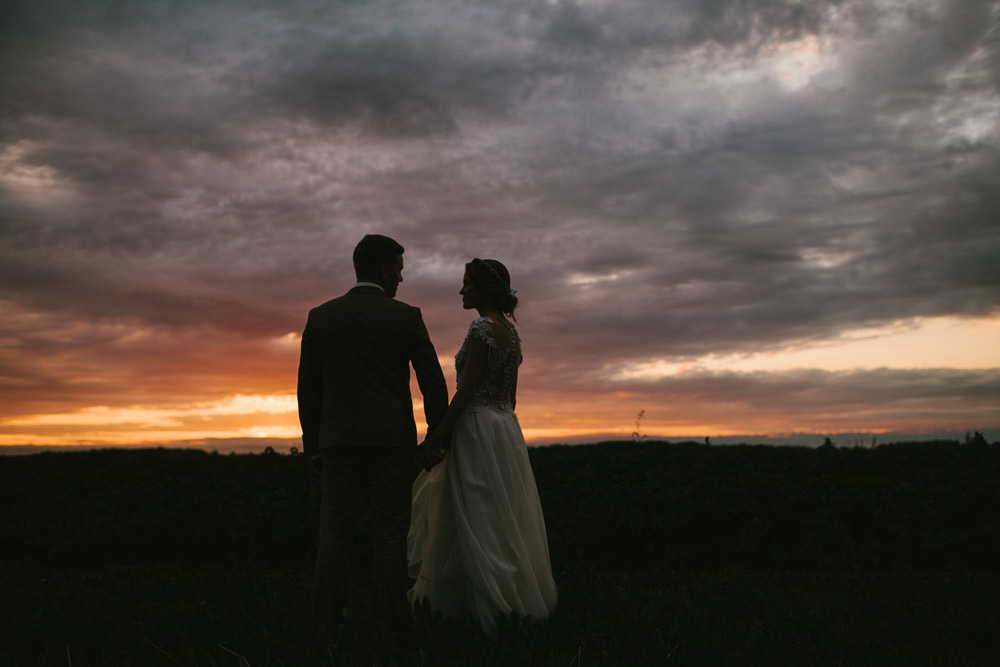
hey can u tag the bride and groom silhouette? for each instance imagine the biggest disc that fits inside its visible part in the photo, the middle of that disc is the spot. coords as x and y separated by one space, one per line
469 529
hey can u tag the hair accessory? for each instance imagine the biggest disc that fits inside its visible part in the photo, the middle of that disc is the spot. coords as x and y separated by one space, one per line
513 292
493 272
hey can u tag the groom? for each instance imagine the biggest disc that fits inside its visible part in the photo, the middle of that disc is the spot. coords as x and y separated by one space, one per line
358 428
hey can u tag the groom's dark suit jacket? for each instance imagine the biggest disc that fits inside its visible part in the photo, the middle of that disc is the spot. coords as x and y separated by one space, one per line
354 373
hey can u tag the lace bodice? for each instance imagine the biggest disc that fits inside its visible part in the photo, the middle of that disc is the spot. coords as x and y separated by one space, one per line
496 385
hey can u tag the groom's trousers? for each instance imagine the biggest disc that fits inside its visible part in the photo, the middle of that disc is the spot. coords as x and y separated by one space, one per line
384 476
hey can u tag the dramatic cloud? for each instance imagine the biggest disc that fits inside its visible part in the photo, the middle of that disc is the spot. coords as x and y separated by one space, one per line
670 182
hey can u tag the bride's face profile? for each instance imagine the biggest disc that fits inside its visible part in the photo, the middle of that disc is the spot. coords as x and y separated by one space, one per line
470 295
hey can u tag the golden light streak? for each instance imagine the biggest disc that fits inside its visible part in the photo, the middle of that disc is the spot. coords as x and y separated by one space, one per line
151 416
944 342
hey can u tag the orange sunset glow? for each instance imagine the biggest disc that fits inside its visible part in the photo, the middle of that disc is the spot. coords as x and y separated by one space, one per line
551 416
744 235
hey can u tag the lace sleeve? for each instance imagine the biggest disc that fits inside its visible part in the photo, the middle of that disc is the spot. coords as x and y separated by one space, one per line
482 328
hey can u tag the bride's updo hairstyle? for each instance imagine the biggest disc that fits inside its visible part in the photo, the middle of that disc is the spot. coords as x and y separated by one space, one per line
492 279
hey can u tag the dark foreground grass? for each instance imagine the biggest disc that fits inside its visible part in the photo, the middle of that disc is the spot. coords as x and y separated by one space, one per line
163 615
664 555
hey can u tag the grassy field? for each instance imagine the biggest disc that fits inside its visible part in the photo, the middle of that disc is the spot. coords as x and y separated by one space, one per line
664 554
225 616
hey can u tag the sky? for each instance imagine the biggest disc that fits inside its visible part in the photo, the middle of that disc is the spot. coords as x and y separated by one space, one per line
724 219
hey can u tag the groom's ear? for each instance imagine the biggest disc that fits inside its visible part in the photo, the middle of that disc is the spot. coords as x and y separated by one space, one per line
389 269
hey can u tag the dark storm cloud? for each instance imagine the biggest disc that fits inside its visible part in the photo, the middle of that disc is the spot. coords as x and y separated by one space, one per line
657 179
814 391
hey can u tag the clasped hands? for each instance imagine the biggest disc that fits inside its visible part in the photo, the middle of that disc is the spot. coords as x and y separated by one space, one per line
430 452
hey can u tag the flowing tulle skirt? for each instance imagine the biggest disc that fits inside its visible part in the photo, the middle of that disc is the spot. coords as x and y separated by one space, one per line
477 545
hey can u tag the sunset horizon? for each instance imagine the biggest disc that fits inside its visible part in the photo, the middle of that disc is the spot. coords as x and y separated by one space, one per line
253 422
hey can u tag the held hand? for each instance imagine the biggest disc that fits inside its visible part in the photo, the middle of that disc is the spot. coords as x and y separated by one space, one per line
429 453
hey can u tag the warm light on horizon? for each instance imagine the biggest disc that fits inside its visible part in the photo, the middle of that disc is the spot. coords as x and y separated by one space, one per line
549 416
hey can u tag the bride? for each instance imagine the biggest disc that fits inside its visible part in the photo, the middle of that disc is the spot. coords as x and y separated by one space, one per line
477 544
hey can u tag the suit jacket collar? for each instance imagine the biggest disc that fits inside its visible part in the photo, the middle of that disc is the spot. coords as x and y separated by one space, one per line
367 289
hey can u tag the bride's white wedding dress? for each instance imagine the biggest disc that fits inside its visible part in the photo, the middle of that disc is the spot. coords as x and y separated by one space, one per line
477 545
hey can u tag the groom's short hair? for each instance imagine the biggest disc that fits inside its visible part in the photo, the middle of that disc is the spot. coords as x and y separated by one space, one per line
373 252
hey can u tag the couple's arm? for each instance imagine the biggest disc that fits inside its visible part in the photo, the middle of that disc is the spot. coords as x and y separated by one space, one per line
513 392
475 362
310 390
430 379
